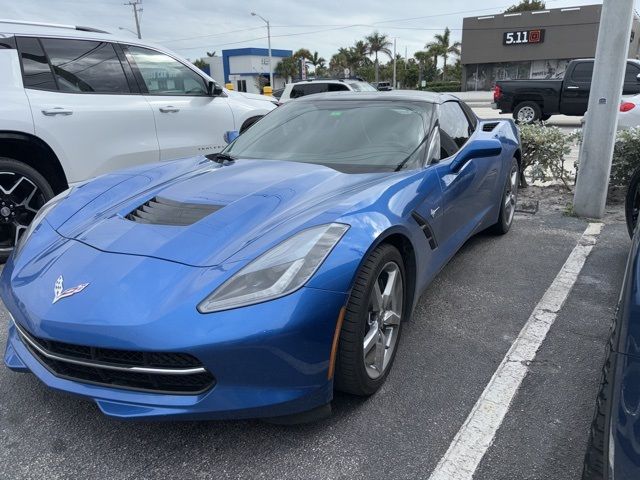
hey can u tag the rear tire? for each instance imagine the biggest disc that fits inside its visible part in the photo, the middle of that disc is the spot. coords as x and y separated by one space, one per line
527 112
23 191
370 334
508 201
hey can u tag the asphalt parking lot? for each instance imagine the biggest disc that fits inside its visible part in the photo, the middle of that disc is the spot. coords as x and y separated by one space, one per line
462 328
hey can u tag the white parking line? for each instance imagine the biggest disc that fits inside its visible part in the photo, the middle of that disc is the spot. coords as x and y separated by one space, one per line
478 431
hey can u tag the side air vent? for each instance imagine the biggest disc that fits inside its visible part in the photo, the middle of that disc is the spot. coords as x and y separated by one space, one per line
160 211
426 229
488 127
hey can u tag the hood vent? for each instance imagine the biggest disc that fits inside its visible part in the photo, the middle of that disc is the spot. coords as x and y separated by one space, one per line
488 127
161 211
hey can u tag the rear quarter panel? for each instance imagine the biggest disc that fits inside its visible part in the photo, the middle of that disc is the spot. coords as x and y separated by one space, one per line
546 92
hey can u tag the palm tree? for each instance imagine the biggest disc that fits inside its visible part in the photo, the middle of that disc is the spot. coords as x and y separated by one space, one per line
378 43
317 61
359 53
287 68
423 58
444 47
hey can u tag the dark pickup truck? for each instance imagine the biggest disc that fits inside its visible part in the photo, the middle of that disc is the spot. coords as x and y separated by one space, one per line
534 100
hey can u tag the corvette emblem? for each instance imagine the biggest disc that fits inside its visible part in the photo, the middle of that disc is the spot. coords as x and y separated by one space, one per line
59 292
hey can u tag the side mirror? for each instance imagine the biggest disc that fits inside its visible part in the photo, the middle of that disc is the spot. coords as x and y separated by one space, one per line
477 149
231 135
214 89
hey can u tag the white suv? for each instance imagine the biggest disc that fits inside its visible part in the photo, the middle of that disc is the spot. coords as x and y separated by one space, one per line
78 102
309 87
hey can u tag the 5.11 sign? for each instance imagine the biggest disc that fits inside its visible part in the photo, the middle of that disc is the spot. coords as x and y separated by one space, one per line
523 37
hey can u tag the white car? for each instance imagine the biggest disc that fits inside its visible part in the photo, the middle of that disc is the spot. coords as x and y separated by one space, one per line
79 102
629 114
309 87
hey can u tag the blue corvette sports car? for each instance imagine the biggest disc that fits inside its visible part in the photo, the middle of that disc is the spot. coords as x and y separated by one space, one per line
253 282
613 452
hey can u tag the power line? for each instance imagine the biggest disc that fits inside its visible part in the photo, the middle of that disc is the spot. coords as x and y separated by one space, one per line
331 27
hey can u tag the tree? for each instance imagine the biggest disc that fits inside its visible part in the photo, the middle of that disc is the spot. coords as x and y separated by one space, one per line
200 63
317 61
287 68
378 43
442 44
526 6
303 53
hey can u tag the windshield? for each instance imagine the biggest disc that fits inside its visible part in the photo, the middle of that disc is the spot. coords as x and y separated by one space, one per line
362 87
348 135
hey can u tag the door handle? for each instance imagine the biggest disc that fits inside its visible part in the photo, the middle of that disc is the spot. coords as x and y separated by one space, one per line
169 109
50 112
573 87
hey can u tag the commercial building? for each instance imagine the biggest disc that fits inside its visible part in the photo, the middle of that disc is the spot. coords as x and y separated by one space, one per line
530 45
247 68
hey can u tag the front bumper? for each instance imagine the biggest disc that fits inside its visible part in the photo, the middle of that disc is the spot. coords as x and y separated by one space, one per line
268 360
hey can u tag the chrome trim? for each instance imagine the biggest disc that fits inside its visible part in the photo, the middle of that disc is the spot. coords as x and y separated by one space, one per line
158 371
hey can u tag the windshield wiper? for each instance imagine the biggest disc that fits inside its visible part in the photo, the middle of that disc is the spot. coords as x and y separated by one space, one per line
221 157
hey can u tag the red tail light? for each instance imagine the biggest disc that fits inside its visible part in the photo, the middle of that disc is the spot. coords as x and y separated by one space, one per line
626 106
497 93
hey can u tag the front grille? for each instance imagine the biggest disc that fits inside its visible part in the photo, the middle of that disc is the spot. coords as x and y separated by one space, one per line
162 211
158 372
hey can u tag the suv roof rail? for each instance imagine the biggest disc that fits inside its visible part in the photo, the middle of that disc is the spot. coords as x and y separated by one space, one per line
52 25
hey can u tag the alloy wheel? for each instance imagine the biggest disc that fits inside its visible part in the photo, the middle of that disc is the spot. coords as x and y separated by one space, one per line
526 115
511 195
383 324
20 200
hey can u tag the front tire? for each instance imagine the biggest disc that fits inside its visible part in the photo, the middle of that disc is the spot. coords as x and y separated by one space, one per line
372 324
23 191
527 112
508 202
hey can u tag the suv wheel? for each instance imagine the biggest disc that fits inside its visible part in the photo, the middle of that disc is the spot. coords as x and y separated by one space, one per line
527 112
23 191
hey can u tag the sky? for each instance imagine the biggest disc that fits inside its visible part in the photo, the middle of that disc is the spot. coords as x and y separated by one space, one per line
193 27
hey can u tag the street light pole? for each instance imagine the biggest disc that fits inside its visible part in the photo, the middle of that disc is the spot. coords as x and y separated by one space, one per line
254 14
601 124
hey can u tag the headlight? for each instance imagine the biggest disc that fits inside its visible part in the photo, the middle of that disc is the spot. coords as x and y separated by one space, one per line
278 272
37 220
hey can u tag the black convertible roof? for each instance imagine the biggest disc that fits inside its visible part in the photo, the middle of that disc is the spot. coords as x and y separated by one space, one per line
397 95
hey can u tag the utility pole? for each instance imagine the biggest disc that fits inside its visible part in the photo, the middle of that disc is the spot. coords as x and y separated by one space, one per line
135 5
602 115
394 64
254 14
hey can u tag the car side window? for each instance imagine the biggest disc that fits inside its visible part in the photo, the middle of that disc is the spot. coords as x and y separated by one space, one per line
582 72
337 87
454 128
163 75
85 66
36 72
631 74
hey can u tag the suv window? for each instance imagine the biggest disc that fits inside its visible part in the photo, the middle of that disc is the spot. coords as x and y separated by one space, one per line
85 66
582 72
631 74
164 75
454 128
36 72
337 87
303 89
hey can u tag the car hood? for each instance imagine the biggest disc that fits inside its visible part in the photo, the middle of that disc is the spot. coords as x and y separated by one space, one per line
250 96
223 209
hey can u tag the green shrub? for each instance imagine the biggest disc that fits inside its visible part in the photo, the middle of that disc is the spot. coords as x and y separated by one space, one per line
543 151
626 157
443 87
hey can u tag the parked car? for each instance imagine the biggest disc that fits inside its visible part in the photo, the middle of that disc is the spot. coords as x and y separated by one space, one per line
311 87
613 451
629 115
277 93
383 86
535 100
78 102
255 281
